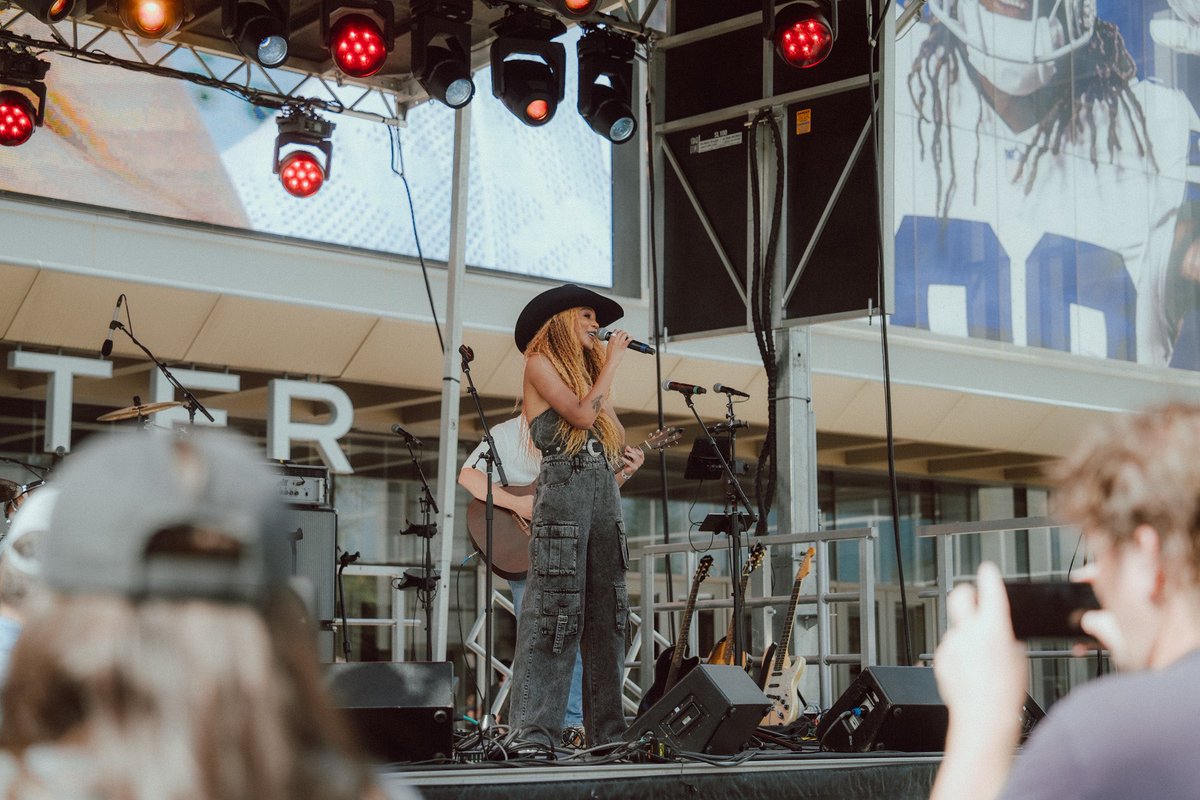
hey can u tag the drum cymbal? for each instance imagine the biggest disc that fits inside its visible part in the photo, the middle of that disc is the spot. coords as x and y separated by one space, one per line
143 410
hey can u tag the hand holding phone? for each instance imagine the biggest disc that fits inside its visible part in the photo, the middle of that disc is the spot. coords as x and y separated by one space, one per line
1050 609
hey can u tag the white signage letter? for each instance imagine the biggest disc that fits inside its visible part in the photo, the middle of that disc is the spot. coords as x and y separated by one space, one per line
62 370
281 430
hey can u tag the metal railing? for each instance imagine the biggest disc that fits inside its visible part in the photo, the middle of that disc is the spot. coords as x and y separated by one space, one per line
823 598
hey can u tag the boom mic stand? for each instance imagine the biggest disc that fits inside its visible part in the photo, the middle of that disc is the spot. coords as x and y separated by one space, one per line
189 399
732 522
425 584
487 720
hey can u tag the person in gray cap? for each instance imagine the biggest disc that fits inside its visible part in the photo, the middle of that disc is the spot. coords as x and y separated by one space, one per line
19 568
168 658
578 552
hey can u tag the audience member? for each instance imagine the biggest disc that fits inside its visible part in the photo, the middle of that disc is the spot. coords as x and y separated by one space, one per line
168 658
19 568
1134 489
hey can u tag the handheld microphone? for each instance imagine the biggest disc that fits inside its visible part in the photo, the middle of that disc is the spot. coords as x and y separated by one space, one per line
683 388
106 348
604 333
396 429
729 390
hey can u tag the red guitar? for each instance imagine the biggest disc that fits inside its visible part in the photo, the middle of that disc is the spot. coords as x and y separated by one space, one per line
510 531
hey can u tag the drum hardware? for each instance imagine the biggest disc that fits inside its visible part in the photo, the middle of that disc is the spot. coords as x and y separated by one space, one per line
138 410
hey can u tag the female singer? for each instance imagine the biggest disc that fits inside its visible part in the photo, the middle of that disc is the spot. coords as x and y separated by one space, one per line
578 552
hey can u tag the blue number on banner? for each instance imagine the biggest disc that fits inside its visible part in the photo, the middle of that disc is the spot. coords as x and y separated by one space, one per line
955 252
1061 272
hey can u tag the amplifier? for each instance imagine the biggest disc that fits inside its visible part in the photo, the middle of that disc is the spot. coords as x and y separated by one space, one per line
398 711
302 485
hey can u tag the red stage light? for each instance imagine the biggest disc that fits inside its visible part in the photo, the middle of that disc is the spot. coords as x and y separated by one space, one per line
357 45
16 118
579 7
151 19
803 36
301 174
58 9
537 110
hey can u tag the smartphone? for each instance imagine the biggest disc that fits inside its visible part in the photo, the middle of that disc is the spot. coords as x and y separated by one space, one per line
1050 609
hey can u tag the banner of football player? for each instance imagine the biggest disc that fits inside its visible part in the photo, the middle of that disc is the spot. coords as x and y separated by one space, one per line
1047 175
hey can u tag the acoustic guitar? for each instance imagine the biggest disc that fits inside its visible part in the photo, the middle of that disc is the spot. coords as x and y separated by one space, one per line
780 676
510 531
672 664
722 651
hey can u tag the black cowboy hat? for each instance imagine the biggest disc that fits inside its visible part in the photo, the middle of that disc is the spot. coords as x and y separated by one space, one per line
550 302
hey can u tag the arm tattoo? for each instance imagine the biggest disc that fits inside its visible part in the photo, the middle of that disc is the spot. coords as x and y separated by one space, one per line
597 402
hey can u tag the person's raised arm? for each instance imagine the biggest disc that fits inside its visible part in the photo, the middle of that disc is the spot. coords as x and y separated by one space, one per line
981 674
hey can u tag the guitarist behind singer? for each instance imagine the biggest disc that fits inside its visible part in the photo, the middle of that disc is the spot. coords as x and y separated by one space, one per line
522 462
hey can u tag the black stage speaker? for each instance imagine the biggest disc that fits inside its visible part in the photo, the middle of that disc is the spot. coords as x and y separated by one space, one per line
713 709
896 708
400 711
313 534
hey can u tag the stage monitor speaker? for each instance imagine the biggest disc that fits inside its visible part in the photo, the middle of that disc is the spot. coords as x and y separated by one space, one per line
896 708
713 709
400 711
313 534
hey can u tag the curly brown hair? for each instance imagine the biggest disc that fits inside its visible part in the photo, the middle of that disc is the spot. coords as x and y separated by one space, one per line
1142 469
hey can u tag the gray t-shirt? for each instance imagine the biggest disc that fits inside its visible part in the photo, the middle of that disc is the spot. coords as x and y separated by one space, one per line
1123 736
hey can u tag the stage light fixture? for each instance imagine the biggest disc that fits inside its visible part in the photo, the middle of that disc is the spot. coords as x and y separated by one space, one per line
528 69
151 19
301 132
359 34
47 11
441 50
259 28
19 116
803 31
606 84
574 9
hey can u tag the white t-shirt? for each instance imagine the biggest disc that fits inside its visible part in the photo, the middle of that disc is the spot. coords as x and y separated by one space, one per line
522 461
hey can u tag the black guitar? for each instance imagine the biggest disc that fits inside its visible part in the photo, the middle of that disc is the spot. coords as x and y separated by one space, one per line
672 664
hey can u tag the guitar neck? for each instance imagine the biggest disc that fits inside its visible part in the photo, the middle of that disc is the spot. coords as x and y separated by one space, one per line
681 643
785 638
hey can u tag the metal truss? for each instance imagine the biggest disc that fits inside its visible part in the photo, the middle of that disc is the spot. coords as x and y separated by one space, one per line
297 84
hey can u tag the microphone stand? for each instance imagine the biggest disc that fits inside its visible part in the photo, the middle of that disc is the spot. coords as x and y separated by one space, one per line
193 405
490 454
426 585
733 495
344 560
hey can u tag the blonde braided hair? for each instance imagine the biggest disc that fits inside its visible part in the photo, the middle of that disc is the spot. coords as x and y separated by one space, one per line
558 341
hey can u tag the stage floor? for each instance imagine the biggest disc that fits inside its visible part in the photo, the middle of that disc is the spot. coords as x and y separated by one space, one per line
806 776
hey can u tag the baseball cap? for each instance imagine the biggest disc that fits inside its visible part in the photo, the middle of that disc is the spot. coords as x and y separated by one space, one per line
146 514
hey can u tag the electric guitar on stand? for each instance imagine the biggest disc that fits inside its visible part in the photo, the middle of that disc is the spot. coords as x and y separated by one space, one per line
780 676
510 531
671 665
722 652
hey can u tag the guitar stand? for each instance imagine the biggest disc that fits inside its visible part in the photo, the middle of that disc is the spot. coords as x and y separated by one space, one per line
732 522
487 721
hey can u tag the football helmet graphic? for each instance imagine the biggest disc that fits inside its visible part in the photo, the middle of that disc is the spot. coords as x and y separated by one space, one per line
1019 31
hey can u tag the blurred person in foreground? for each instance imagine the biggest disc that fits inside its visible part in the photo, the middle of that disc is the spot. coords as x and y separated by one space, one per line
19 568
167 659
1134 489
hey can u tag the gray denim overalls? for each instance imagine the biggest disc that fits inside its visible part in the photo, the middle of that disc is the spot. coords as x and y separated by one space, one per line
578 556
